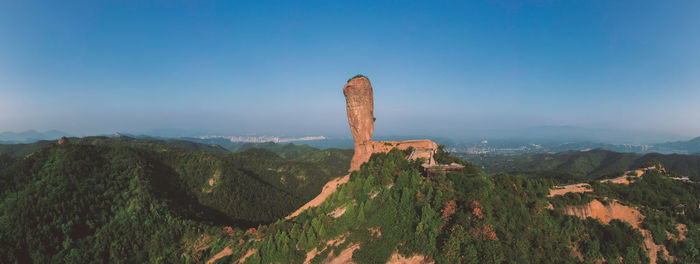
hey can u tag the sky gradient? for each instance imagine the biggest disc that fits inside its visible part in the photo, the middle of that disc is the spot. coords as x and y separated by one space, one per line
278 68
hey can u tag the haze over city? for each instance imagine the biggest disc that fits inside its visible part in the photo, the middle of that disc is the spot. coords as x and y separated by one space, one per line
629 68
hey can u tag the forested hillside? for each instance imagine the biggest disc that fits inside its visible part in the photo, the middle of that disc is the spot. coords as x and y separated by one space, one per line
123 200
574 166
289 150
98 199
390 211
21 150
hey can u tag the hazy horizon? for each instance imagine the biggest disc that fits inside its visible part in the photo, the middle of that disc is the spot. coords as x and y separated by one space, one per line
477 70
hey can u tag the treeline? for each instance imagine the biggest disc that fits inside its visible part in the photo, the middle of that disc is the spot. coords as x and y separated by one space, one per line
579 166
120 200
83 204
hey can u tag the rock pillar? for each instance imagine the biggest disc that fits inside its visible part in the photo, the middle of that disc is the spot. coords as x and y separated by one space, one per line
360 107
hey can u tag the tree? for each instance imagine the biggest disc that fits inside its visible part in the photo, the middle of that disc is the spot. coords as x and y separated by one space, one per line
311 239
361 212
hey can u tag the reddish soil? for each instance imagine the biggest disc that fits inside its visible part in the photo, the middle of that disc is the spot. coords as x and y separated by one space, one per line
337 212
212 181
201 244
397 258
310 255
375 231
584 187
682 232
624 178
615 210
606 213
345 256
225 252
571 188
248 253
328 189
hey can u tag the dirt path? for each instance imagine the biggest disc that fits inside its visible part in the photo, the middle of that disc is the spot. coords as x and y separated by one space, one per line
248 253
314 252
328 189
345 256
227 251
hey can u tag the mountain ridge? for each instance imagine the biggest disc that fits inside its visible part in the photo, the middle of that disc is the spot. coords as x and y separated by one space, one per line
582 165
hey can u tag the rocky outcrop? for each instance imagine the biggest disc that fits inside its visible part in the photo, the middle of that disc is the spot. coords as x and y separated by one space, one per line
62 140
626 178
570 188
360 107
614 210
423 148
606 213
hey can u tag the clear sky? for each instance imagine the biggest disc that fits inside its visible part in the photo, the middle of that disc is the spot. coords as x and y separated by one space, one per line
278 68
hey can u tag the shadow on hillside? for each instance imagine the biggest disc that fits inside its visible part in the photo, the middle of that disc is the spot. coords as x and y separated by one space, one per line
168 187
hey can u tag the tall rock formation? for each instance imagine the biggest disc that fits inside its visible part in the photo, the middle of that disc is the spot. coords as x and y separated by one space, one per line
360 107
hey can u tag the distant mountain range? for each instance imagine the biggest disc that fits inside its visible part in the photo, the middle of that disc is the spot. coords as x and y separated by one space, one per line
525 146
690 146
30 136
577 166
496 145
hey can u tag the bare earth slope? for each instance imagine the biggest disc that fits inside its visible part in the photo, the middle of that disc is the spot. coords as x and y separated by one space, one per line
613 210
328 189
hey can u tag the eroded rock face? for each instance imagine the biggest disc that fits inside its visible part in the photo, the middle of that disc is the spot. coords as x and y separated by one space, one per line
360 108
616 210
422 148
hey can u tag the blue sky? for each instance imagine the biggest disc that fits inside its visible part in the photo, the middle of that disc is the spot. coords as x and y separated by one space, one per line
438 68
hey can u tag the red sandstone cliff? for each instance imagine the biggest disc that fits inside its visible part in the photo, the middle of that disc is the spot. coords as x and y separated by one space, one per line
615 210
360 107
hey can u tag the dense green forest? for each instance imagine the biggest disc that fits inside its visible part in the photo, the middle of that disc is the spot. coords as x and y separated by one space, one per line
21 150
123 200
102 199
576 166
469 217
